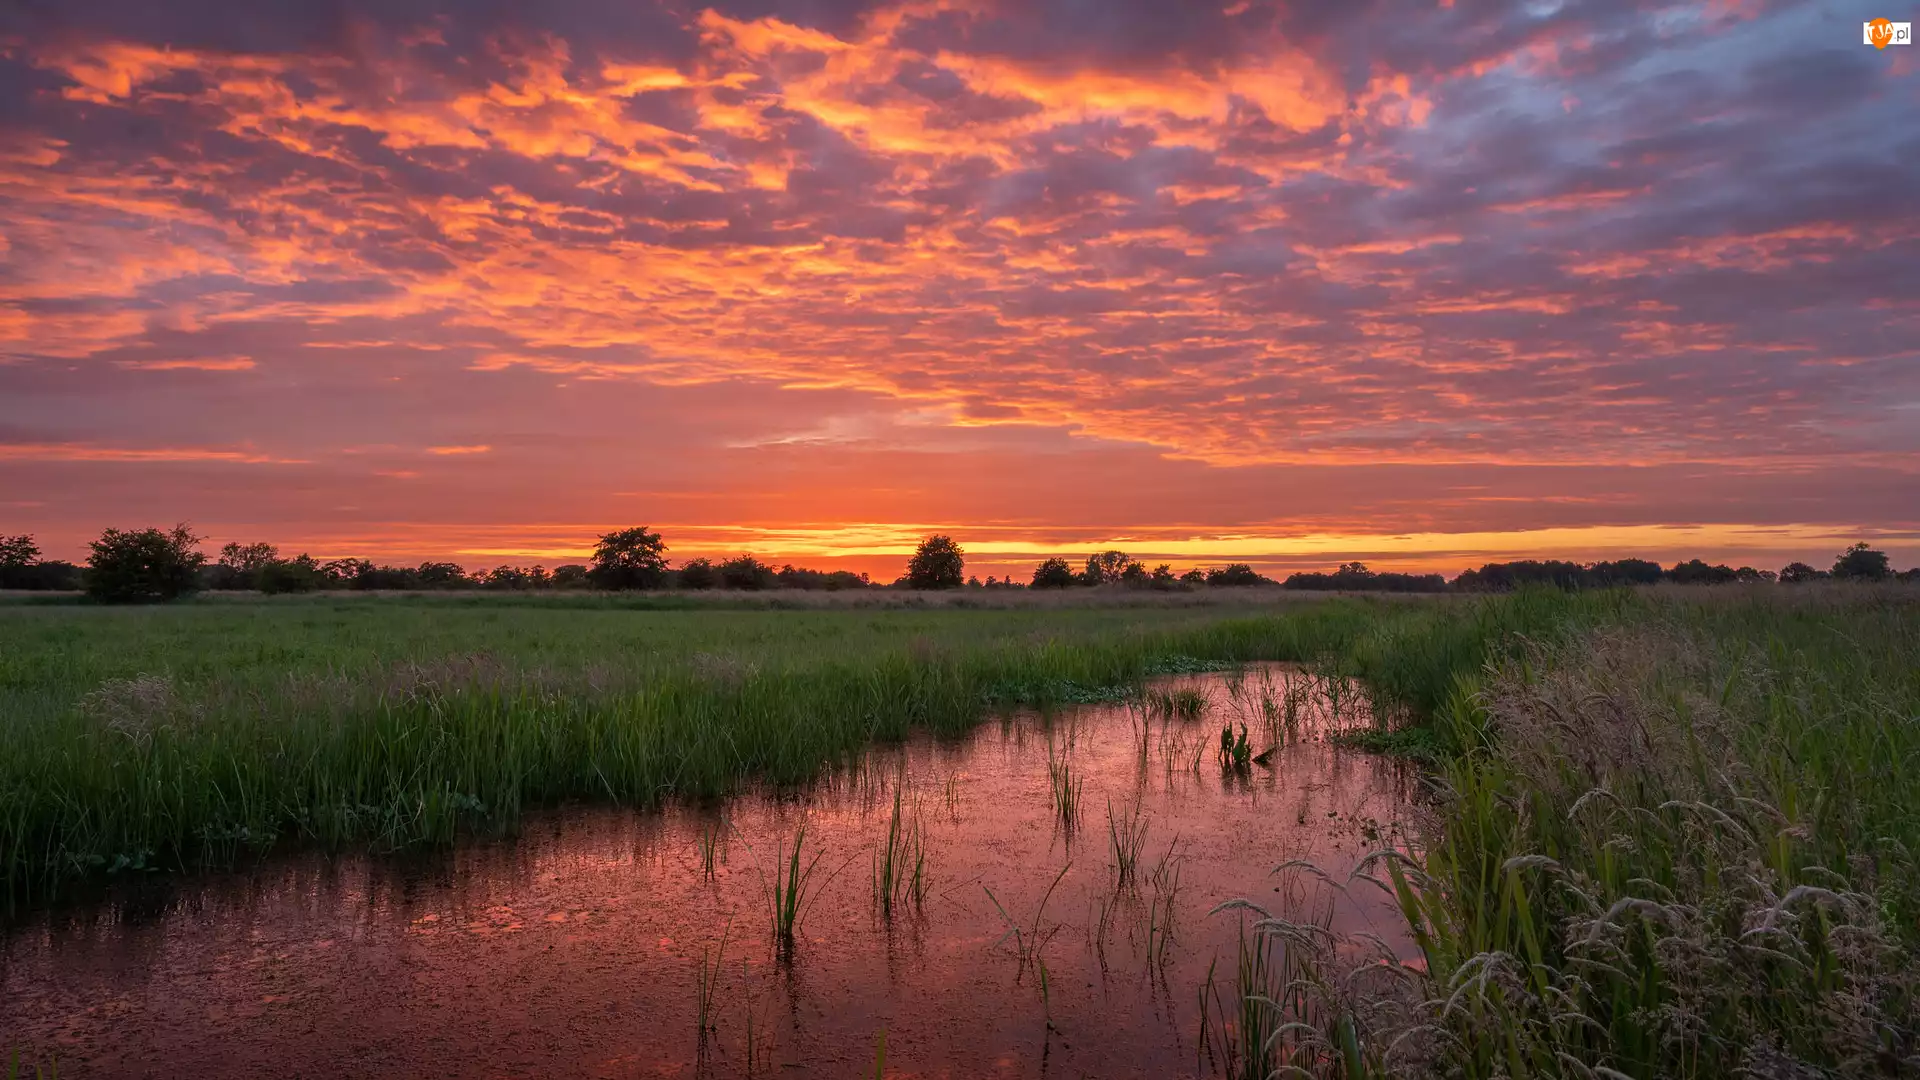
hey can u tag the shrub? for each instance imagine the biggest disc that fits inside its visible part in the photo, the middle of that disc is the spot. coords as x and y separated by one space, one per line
938 563
629 559
1053 574
1195 576
570 576
144 566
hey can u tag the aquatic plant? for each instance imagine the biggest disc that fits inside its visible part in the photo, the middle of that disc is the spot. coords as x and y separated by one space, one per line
899 863
791 892
709 981
1126 836
1184 703
1235 753
1028 941
1065 789
708 844
50 1071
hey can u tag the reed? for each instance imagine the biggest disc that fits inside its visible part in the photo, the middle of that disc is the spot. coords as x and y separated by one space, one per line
1065 789
899 864
709 981
792 890
1126 837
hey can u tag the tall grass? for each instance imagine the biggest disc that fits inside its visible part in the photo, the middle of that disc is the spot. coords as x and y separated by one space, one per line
168 737
1675 838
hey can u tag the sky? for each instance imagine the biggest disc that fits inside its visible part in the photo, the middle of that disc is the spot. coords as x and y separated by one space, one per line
1423 284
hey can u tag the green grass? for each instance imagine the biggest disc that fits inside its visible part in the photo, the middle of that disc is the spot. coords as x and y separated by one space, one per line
204 732
1676 832
1676 837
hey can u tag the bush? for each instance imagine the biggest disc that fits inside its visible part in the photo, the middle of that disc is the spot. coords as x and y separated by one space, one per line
938 563
570 576
629 559
144 566
1053 574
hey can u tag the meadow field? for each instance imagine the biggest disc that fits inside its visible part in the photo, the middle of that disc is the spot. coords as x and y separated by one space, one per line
1674 828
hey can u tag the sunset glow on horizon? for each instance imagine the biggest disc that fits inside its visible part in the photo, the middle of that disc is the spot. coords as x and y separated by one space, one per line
1287 284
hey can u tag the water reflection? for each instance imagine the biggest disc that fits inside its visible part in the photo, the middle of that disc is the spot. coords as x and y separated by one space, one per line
592 944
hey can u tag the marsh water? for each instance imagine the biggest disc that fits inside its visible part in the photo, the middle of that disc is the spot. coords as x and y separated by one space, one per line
581 946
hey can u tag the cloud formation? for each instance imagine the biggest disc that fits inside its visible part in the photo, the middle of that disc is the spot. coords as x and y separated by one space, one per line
1481 266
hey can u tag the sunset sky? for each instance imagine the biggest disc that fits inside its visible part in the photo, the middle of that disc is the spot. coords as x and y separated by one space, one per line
1424 284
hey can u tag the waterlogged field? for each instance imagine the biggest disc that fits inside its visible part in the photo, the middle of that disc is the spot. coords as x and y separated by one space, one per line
1039 891
1664 833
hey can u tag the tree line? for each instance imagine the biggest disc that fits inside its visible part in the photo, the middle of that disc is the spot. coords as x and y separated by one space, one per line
153 564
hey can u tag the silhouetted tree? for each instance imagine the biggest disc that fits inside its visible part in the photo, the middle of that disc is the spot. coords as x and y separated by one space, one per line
1862 563
345 573
18 552
300 574
239 565
746 572
938 563
1106 568
629 559
441 575
1053 574
145 565
698 574
1625 572
1794 573
1697 572
1162 577
1357 576
19 555
1194 576
1235 574
571 576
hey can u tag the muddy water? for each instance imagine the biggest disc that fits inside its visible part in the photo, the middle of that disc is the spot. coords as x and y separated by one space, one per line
576 949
